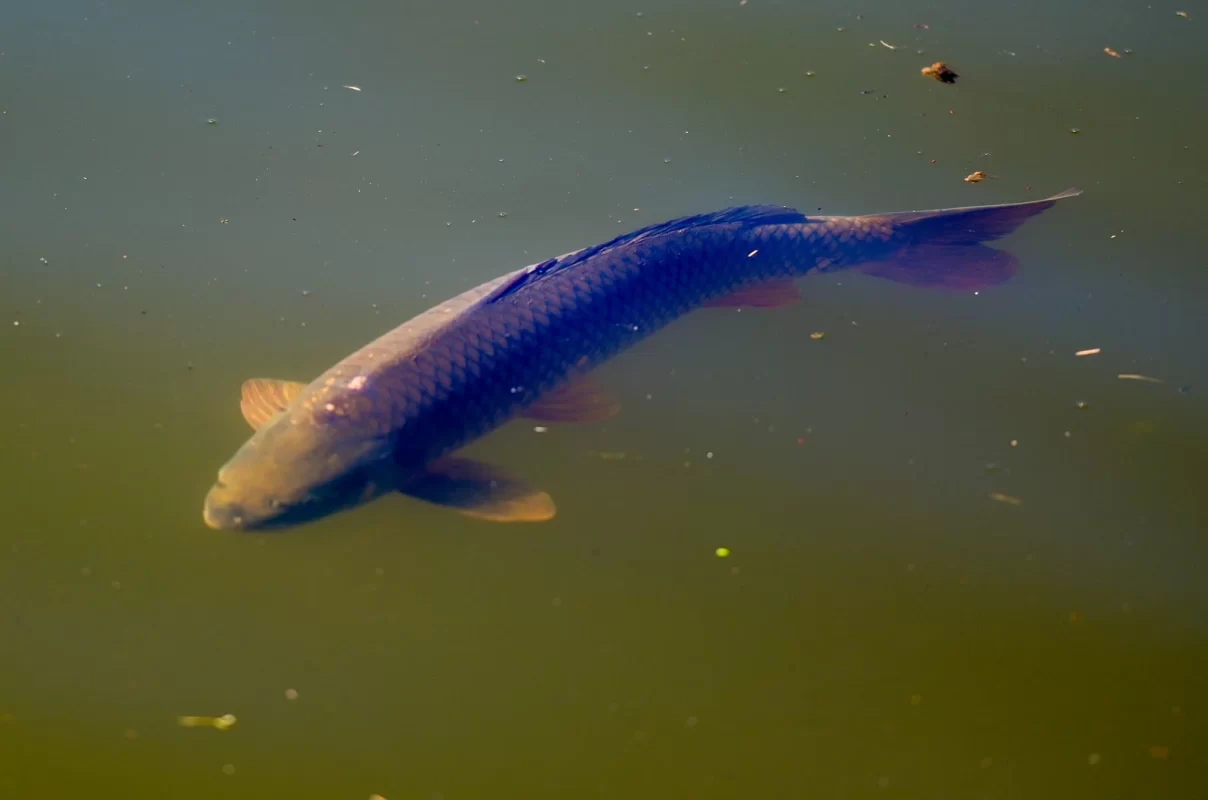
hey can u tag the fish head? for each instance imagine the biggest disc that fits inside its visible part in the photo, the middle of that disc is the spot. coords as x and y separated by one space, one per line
295 470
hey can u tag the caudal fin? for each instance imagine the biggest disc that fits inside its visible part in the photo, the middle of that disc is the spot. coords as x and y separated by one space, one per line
944 248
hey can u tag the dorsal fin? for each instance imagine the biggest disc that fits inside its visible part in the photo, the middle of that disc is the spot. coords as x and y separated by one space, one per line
749 216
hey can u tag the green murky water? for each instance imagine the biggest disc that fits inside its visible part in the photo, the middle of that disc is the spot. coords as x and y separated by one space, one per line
883 626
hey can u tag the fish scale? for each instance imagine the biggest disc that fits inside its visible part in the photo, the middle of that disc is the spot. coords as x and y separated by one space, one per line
545 333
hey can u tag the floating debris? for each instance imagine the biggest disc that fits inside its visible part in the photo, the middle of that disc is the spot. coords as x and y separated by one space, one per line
1182 14
887 44
1093 351
1006 498
1082 405
722 552
941 72
291 694
351 86
1132 376
1075 131
816 335
975 177
610 455
521 78
1111 52
223 723
211 121
540 429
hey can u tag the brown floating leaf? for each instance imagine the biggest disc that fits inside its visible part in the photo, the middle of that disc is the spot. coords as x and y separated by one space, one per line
941 72
975 177
1111 52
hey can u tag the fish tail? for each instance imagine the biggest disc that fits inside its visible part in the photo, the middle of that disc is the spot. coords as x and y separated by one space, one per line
945 248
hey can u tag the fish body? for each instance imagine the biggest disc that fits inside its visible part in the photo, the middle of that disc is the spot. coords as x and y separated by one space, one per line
392 415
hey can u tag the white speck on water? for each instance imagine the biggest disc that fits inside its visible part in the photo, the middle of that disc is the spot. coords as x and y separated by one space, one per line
350 86
291 694
521 78
667 160
709 454
540 429
43 260
16 323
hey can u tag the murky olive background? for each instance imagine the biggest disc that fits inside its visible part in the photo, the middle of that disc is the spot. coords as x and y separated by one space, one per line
883 626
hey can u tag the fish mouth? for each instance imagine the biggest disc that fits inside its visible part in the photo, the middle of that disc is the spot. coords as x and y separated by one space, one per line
222 515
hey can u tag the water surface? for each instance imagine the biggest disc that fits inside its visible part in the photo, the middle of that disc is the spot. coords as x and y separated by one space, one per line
193 197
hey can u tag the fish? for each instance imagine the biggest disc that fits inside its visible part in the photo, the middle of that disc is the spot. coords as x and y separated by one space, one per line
393 417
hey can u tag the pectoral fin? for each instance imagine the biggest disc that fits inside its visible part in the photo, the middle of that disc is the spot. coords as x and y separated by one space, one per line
581 401
261 399
481 491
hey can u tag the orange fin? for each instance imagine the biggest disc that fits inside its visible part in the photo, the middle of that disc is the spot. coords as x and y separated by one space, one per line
946 266
261 399
481 491
772 294
582 400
